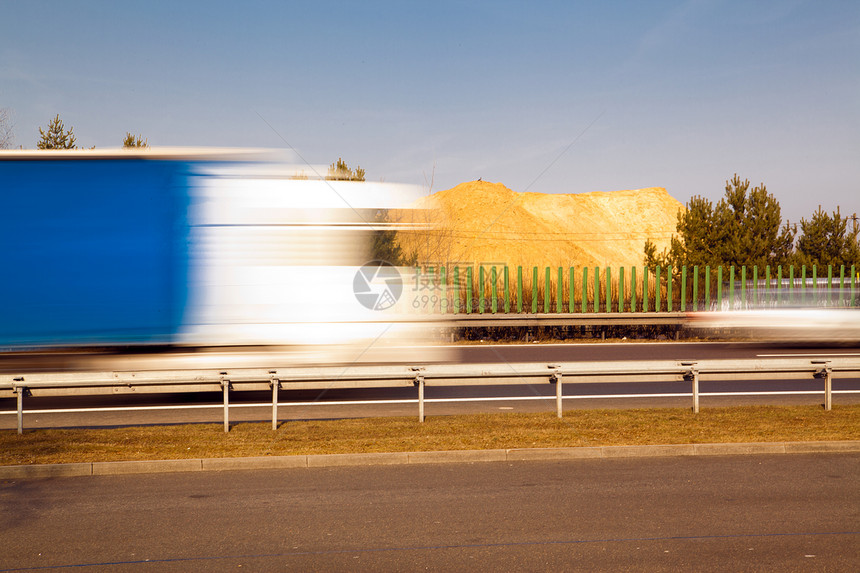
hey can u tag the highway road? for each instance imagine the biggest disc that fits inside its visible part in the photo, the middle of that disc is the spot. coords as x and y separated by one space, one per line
725 513
178 358
401 402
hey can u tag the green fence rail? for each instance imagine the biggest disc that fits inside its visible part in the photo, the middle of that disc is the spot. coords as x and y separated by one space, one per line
495 289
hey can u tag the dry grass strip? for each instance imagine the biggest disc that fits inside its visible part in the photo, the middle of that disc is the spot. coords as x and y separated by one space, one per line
476 431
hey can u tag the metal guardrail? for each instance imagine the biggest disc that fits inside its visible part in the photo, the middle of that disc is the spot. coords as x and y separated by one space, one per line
331 377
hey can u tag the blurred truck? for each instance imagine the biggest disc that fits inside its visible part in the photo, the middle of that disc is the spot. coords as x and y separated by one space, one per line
199 247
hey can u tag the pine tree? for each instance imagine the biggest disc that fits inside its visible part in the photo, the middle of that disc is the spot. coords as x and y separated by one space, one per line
340 171
56 137
132 141
743 229
827 240
749 227
384 244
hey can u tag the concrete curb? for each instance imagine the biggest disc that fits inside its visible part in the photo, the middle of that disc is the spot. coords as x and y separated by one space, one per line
411 458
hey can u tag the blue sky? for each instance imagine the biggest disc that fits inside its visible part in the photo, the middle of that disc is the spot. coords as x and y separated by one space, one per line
553 97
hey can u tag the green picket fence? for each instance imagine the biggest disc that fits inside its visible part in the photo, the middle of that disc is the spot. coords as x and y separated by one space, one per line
503 290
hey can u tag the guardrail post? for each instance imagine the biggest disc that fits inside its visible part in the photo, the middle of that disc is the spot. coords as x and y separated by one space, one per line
693 376
827 373
20 391
419 382
555 378
225 385
276 384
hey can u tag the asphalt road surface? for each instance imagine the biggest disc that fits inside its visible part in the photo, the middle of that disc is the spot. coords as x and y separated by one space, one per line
19 363
535 397
727 513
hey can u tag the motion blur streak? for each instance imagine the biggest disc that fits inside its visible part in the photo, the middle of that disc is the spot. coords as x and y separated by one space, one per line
190 247
800 312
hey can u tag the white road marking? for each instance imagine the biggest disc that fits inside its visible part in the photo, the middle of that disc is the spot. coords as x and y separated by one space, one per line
428 400
808 354
577 344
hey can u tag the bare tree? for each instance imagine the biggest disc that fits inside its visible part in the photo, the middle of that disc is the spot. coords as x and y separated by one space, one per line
6 136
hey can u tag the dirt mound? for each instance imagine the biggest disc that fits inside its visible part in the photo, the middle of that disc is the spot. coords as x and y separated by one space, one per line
486 223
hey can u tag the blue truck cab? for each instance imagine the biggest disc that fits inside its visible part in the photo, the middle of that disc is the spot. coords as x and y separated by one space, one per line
94 245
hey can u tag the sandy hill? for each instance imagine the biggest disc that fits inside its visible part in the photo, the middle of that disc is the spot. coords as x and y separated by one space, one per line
482 222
